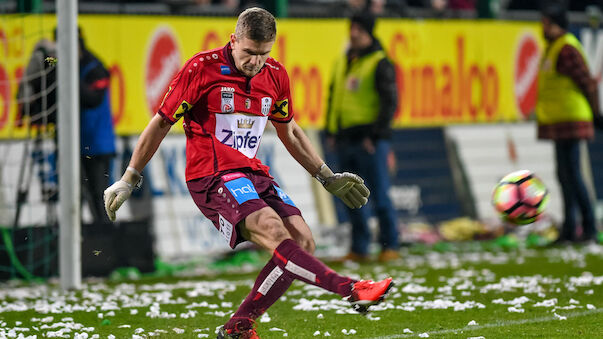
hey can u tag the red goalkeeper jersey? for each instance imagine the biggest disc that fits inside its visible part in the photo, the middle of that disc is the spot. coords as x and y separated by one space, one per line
224 111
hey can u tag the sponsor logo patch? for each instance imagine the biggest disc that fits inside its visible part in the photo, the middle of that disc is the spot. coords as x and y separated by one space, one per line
241 132
224 70
284 197
225 227
242 189
266 104
227 104
353 83
281 109
183 109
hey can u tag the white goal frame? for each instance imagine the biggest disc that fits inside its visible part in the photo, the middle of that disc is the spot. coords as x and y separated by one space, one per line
68 118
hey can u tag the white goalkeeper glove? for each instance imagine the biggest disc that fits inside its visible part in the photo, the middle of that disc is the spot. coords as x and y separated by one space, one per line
348 187
116 194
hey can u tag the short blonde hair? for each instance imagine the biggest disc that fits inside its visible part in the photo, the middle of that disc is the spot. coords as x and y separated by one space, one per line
256 24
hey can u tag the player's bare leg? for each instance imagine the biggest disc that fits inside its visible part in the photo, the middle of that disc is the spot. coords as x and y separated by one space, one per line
290 261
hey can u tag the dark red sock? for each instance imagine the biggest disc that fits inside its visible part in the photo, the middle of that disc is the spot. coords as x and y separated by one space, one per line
270 284
295 261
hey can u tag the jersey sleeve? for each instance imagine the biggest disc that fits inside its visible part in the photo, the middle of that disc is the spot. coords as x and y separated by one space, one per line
183 93
282 110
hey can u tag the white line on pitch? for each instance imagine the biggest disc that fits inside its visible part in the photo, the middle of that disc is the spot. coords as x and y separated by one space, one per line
496 324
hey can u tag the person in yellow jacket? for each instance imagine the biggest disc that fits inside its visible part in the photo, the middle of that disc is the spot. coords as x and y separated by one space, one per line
363 99
567 106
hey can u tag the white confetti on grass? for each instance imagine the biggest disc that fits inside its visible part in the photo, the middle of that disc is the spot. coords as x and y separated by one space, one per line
560 317
407 330
546 303
514 309
178 330
317 333
472 323
424 335
265 318
590 306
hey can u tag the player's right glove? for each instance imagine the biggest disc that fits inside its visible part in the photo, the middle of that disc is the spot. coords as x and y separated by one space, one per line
348 187
120 191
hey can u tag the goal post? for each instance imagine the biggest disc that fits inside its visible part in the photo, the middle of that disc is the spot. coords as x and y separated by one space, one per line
69 146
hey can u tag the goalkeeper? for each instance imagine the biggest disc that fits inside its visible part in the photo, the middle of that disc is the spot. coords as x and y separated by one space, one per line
225 97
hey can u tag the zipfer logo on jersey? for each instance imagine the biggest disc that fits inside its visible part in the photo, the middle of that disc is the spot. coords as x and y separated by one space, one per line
241 132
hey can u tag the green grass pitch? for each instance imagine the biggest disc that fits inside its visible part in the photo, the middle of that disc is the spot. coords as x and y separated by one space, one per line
462 293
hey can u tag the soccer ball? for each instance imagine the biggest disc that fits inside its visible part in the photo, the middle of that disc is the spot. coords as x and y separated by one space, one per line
520 197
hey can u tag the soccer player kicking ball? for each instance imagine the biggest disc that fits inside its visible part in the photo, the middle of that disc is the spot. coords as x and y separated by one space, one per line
226 96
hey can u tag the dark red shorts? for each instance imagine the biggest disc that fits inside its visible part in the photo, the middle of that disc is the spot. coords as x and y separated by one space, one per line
230 196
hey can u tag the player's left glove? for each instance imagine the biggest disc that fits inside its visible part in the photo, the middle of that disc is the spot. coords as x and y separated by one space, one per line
348 187
116 194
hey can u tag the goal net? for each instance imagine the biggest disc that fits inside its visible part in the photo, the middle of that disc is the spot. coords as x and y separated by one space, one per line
28 151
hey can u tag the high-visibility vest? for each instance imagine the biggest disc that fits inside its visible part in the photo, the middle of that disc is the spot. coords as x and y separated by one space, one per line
354 99
559 98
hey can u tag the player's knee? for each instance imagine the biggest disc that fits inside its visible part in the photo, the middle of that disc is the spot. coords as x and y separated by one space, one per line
273 227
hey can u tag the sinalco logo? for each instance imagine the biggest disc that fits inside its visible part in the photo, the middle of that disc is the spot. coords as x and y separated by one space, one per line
163 62
527 62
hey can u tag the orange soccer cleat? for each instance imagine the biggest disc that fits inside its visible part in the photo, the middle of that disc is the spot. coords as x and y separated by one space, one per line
366 293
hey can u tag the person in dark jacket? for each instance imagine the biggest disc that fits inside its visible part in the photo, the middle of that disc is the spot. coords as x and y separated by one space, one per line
566 111
97 137
362 101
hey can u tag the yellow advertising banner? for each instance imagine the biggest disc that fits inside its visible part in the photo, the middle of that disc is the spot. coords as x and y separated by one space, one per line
447 71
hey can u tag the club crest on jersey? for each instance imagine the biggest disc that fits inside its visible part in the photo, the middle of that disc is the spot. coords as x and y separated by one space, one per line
183 109
247 103
227 97
266 104
281 109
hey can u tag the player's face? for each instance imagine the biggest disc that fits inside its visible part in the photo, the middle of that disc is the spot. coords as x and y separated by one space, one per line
249 55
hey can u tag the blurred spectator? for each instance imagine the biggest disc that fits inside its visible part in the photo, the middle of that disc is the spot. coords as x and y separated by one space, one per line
96 132
363 98
37 95
567 105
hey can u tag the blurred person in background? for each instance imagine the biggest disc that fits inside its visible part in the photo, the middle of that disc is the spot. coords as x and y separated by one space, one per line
567 106
97 137
37 97
226 96
362 101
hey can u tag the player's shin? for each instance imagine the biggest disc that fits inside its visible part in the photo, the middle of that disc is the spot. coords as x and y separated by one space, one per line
269 286
294 261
